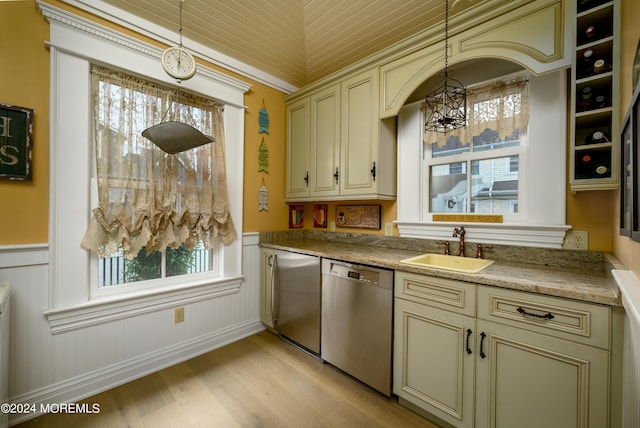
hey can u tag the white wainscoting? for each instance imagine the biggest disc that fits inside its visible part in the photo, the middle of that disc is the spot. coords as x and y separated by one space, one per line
630 291
66 367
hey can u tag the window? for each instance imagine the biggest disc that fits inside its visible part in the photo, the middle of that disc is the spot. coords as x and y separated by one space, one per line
74 302
516 169
475 170
142 230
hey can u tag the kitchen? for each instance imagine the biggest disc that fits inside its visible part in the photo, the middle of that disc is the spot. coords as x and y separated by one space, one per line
26 252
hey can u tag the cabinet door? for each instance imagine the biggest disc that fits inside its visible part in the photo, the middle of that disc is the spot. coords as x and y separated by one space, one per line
529 380
432 368
298 124
266 286
325 142
360 125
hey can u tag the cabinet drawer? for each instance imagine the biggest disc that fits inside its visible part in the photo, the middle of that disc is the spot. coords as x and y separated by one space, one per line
454 296
567 319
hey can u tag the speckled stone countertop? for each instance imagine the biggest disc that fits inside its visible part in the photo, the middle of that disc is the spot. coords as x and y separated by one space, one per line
579 275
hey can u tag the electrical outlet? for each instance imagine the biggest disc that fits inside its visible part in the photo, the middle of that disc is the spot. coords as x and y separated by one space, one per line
388 229
332 226
576 240
178 315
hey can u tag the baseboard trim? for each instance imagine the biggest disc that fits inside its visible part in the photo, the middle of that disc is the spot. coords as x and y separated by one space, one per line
86 385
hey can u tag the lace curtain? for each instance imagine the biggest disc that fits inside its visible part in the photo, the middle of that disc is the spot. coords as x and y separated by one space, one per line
502 107
148 198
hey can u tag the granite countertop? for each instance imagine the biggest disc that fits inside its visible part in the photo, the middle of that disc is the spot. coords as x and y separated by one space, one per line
578 275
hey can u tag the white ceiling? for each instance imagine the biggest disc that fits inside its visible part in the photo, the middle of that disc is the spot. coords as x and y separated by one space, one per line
297 41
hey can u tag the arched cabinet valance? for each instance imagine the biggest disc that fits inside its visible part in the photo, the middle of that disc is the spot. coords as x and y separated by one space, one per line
533 35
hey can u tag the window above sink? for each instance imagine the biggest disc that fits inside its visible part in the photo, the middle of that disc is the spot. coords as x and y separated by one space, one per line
520 175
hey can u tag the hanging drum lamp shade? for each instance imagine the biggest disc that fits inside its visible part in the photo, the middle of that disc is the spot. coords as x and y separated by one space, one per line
175 137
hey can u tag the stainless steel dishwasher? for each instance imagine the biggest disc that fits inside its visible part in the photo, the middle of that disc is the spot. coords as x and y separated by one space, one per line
295 298
357 317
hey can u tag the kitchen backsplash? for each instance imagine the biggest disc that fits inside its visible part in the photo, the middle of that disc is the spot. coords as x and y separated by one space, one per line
568 259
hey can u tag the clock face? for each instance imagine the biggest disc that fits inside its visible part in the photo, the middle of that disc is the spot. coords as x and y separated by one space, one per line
178 63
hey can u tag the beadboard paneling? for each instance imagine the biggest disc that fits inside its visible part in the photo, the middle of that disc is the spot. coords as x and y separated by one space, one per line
47 368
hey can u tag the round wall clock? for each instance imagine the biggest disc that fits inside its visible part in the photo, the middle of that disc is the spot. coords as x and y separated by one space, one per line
178 63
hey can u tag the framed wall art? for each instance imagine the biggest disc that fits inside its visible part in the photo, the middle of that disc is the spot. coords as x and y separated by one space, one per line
626 174
16 142
362 216
635 71
635 168
296 216
320 215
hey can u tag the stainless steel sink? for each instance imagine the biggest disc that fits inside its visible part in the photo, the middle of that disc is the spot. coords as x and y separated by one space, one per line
453 263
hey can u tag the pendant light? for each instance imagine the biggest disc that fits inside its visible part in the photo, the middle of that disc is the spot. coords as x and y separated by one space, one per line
173 136
446 103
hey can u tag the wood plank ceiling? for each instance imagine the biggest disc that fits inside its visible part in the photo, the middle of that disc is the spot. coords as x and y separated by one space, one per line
297 41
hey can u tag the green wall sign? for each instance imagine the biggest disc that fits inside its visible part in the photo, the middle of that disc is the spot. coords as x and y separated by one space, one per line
16 140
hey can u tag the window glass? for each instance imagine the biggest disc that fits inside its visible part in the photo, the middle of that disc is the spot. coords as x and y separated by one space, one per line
115 270
495 186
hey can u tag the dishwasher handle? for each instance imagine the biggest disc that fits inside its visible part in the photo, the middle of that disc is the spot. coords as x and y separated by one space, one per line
273 262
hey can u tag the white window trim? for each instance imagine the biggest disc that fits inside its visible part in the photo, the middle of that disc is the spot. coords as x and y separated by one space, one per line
543 218
74 44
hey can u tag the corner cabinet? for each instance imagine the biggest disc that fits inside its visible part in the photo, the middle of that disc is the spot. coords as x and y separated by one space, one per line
594 88
477 356
337 147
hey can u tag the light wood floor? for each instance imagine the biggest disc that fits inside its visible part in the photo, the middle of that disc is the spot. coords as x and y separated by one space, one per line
260 381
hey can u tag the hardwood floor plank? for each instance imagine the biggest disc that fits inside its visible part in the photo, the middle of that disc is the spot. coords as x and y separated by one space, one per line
260 381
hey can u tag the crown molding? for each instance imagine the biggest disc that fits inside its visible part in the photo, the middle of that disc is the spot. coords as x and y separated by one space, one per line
157 33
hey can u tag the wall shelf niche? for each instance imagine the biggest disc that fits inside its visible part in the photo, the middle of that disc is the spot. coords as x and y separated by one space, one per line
594 81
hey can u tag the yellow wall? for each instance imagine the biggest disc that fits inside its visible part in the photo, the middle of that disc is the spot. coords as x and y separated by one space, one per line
276 216
24 81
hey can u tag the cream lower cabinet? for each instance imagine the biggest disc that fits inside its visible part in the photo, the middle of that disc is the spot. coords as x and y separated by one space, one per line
431 367
530 380
266 289
475 356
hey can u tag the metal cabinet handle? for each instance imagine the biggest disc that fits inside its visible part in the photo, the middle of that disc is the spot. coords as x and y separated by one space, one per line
482 336
373 171
548 315
306 179
469 332
336 175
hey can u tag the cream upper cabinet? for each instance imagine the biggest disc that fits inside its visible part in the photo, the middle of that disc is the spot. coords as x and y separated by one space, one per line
297 161
325 142
350 152
477 356
368 151
533 34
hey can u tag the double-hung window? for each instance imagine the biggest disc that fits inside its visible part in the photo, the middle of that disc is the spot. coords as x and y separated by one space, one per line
477 169
158 214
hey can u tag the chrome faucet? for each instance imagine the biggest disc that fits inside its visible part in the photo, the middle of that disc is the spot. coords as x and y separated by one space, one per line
460 232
